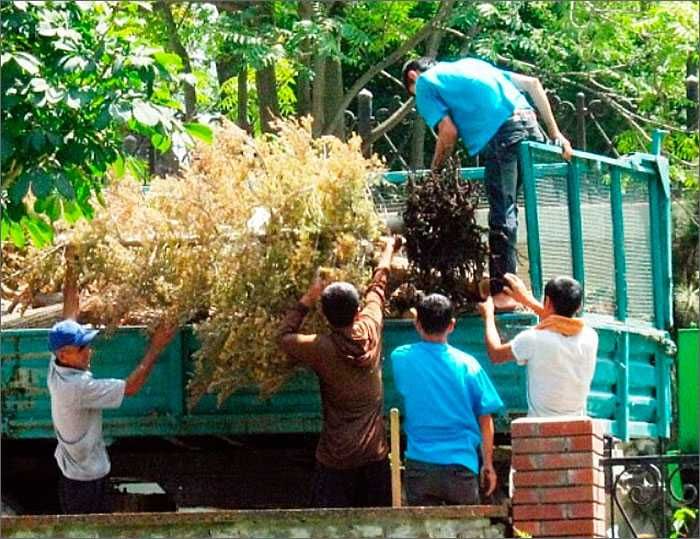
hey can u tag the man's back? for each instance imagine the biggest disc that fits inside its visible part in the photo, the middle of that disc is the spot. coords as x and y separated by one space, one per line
479 97
348 364
559 370
445 391
77 400
352 397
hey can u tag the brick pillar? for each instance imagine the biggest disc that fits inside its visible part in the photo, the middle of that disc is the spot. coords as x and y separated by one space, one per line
558 482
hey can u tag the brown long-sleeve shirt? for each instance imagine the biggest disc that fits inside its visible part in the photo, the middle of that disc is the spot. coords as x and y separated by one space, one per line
348 365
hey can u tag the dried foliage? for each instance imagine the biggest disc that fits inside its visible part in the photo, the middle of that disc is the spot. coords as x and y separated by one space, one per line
446 248
230 245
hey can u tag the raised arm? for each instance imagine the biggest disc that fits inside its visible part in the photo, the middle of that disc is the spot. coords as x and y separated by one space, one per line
533 87
375 295
498 352
298 346
519 292
71 297
160 339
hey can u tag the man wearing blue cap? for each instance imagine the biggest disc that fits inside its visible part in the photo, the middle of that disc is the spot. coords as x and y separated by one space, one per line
77 401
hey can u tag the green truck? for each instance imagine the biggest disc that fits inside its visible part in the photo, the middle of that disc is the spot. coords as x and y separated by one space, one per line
604 221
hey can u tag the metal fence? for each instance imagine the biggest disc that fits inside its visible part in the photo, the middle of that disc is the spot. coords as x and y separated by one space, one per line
651 491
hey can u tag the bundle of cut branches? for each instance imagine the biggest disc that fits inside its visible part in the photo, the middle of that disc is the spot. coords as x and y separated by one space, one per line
228 246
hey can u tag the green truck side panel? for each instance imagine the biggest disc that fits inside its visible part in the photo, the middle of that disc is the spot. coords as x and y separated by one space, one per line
688 381
630 390
158 410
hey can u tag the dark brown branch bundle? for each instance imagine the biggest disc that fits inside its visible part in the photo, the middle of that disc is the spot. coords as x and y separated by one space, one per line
445 245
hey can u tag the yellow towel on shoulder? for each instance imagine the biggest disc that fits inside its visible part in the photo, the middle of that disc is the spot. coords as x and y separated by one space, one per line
562 324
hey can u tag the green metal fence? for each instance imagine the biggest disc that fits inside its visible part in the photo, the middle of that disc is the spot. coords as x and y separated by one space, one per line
606 222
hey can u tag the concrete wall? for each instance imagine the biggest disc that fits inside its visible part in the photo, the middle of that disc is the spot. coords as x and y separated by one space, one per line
442 522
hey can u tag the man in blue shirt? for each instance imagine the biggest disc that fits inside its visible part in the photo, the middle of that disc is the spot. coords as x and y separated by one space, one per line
486 108
448 402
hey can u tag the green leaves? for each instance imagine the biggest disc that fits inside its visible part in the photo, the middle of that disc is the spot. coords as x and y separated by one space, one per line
200 131
77 79
64 186
168 60
42 183
146 113
27 62
161 142
19 189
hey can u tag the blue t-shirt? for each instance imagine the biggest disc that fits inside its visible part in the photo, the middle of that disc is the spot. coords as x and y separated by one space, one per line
477 96
445 391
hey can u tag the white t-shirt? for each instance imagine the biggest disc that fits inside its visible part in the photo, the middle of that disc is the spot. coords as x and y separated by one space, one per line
559 370
77 400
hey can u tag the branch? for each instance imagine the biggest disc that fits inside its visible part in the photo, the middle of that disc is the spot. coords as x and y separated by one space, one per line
360 83
393 79
392 121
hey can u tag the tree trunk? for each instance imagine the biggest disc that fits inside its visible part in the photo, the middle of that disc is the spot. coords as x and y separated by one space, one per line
242 113
176 46
303 83
334 94
266 85
224 70
318 94
265 79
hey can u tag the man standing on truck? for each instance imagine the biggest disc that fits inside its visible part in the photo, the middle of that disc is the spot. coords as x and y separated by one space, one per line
448 402
77 401
352 469
486 107
560 352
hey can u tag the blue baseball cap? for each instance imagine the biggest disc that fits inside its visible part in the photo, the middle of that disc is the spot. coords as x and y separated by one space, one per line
70 333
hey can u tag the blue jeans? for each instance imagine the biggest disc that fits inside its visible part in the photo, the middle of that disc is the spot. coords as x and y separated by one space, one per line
440 484
503 179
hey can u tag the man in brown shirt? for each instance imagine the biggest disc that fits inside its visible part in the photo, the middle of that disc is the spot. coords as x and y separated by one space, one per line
352 469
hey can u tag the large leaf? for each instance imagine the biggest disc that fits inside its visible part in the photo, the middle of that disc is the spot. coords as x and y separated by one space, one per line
42 183
27 62
168 60
4 229
136 167
200 131
17 234
118 168
161 142
51 206
145 113
64 186
73 63
19 189
71 211
40 233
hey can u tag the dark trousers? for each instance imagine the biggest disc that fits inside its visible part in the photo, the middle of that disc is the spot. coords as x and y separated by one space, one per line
440 484
82 497
366 486
503 179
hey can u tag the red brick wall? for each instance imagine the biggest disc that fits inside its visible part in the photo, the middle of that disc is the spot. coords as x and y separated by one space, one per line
558 482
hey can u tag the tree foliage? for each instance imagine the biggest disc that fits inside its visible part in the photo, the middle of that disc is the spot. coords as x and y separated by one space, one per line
77 77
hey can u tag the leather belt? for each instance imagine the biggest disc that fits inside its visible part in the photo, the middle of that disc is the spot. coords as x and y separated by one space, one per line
524 114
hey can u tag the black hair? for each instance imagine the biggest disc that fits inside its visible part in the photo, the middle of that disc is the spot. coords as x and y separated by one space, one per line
565 294
339 303
421 65
435 312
